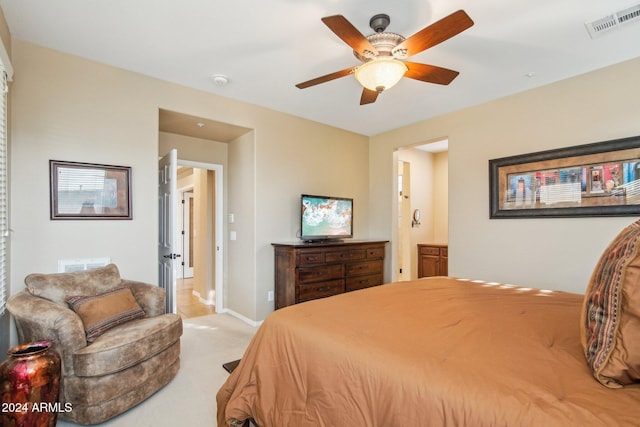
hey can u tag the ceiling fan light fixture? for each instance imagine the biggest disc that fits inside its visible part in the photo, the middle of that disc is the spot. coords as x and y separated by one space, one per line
380 74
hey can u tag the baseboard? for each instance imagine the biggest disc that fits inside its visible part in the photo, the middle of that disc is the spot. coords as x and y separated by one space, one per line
202 300
245 319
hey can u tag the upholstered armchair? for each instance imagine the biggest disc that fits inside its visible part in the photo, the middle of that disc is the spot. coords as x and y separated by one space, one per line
117 345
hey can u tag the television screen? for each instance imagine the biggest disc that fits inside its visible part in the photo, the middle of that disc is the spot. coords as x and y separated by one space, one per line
325 217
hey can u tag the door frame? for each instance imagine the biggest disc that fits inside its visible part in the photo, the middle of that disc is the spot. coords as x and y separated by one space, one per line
404 242
219 224
185 225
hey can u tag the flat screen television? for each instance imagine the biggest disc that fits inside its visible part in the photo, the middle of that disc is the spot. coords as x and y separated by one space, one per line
325 218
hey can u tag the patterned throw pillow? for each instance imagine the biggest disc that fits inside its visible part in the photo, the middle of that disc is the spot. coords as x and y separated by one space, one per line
610 321
106 310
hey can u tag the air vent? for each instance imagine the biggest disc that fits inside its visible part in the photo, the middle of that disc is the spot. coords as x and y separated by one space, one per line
71 265
614 21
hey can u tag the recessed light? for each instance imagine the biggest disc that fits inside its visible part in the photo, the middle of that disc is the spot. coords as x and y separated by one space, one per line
200 124
530 74
220 80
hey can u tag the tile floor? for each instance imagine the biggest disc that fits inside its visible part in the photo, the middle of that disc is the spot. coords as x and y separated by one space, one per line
188 304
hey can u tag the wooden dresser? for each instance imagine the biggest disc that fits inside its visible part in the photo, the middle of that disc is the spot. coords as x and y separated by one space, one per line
306 271
433 260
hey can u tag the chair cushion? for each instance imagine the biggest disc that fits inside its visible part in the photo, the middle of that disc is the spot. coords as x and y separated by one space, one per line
610 320
97 390
127 344
105 310
57 286
138 383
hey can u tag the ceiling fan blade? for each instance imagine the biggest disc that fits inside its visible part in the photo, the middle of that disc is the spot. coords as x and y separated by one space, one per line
325 78
436 33
368 96
430 73
349 34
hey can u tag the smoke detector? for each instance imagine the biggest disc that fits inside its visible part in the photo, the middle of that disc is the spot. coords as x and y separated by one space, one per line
613 21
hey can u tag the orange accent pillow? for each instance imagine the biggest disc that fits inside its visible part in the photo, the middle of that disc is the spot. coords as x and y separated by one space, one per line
105 310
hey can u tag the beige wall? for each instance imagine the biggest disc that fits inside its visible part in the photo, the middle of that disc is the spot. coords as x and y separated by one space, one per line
193 149
204 233
74 109
306 157
548 253
240 290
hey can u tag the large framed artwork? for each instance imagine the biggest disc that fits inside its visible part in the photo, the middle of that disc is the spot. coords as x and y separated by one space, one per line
89 191
598 179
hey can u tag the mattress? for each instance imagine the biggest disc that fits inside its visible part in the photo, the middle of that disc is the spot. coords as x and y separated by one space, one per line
432 352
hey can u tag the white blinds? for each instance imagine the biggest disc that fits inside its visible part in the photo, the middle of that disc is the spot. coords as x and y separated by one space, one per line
4 202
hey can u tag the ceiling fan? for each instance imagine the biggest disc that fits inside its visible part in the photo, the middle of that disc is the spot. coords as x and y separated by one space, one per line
383 55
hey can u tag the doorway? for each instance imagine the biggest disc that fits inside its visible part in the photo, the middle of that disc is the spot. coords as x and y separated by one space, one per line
197 137
422 185
189 302
200 239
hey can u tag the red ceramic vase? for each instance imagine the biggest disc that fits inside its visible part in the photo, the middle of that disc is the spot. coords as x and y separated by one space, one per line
29 386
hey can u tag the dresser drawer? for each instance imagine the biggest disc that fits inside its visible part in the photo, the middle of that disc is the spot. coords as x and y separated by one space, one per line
361 282
429 250
323 272
348 255
315 290
365 267
375 253
305 258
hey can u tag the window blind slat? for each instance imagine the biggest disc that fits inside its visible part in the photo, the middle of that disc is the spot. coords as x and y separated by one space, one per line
4 202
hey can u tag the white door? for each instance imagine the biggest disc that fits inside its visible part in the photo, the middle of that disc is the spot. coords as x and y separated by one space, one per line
167 189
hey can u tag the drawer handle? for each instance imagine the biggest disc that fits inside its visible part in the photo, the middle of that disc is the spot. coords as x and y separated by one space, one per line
312 258
321 273
324 289
364 282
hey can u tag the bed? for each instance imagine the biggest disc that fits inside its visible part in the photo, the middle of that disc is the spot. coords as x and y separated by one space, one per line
431 352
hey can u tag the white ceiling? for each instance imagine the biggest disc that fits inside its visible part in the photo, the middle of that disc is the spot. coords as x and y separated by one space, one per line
265 47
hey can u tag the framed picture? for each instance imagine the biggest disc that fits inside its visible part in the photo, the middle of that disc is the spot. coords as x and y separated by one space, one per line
89 191
599 179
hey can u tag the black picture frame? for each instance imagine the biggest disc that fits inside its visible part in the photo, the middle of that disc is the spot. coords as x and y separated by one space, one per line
597 179
80 191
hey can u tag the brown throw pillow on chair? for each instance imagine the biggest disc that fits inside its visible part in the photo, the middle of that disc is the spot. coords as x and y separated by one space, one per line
105 310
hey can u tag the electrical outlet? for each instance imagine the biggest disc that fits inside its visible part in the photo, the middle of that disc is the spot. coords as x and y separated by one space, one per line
270 296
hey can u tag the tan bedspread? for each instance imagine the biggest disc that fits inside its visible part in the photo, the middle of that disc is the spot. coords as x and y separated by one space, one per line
432 352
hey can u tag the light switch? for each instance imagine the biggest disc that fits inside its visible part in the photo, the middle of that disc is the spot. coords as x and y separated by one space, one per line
232 235
232 218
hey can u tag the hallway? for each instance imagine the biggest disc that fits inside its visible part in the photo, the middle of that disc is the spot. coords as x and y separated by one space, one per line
187 303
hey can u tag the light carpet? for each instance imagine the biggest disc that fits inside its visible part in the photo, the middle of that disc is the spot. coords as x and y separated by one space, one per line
190 398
